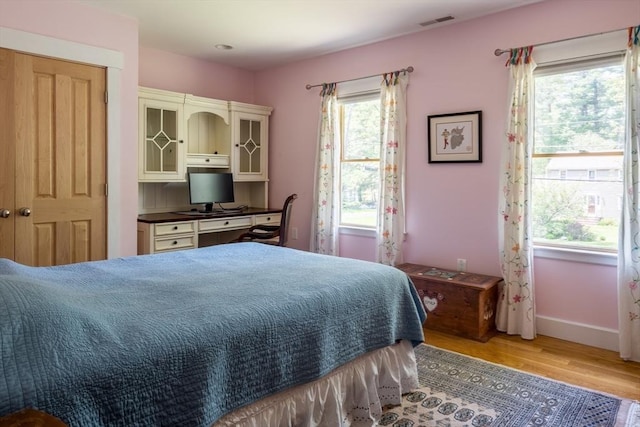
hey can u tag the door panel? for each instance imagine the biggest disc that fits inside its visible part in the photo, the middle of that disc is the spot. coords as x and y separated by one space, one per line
7 154
60 153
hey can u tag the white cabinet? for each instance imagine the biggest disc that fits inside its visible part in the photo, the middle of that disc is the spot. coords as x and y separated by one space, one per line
179 131
161 145
250 140
208 132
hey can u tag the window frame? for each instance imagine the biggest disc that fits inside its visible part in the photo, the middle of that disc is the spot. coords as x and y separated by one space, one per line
365 90
559 65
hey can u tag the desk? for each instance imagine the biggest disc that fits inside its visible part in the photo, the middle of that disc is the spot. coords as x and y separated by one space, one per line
163 232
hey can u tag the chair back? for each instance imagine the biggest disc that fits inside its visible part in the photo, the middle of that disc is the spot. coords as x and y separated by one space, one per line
285 219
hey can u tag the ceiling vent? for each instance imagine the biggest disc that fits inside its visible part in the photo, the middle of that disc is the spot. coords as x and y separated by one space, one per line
436 21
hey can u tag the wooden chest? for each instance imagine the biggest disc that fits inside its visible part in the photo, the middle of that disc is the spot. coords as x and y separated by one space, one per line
458 303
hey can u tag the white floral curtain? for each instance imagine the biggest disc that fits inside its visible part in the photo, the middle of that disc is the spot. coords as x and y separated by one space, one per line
393 123
629 242
516 308
324 224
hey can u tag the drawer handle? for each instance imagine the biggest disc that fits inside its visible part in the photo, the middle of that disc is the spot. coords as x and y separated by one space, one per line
175 242
226 223
175 227
207 160
268 218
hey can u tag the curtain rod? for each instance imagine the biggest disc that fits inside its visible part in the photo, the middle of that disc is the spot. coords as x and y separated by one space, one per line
499 52
409 69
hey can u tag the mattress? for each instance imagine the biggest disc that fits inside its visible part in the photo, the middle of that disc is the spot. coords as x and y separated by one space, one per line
186 337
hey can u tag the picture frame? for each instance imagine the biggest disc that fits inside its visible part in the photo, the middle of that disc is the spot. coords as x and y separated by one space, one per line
455 137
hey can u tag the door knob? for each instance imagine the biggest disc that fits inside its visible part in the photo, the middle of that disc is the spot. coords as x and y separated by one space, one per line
4 213
25 211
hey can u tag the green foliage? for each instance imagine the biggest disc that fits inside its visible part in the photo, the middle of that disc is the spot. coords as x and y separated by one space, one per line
580 110
568 230
608 221
578 232
361 130
555 203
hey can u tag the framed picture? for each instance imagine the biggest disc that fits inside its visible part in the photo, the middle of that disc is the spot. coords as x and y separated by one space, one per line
455 138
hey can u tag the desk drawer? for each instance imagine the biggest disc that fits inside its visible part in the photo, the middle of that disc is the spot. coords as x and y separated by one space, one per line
179 227
208 160
273 218
175 243
225 224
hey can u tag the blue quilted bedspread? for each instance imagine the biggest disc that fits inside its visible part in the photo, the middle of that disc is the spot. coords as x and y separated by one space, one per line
180 339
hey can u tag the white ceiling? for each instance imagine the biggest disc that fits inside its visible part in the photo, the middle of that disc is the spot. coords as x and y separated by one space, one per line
267 33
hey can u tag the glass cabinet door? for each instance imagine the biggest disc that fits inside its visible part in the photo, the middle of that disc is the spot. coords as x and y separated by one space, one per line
249 147
162 141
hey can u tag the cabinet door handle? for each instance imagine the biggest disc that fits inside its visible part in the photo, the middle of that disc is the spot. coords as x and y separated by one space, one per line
4 213
181 141
25 211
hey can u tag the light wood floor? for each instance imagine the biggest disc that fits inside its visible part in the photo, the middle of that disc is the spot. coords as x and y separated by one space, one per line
576 364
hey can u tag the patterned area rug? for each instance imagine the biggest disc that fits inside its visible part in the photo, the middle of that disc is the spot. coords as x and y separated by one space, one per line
463 391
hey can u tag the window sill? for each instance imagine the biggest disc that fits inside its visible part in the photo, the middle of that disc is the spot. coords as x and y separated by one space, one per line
357 231
587 257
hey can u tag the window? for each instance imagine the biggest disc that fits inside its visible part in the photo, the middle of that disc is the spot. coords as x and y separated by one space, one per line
577 155
359 160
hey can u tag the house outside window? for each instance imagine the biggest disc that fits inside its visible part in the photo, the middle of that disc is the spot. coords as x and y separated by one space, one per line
359 160
577 154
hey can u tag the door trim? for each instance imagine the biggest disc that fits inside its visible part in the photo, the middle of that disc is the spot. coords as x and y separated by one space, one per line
113 61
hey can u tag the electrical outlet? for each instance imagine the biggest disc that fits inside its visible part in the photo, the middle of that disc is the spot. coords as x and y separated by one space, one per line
462 264
294 233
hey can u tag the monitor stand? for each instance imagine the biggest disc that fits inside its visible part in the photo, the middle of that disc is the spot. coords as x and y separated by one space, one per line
208 209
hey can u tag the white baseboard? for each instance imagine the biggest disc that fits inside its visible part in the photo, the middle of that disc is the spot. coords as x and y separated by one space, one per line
578 332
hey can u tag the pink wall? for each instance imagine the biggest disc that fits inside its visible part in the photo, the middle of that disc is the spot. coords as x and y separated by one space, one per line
69 21
451 208
165 70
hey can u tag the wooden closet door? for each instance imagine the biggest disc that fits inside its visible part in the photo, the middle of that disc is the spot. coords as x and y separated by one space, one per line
60 152
7 154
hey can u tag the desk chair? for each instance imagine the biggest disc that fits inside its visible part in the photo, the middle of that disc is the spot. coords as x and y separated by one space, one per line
272 234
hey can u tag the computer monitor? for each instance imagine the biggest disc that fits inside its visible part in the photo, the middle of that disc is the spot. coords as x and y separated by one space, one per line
208 188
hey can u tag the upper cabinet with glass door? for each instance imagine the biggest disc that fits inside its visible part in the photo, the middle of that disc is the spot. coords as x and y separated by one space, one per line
249 136
161 156
178 131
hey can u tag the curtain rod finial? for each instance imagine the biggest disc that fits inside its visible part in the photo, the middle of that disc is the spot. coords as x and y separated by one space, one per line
410 68
308 87
498 52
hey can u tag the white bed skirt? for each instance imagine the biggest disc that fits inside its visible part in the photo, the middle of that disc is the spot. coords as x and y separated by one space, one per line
351 395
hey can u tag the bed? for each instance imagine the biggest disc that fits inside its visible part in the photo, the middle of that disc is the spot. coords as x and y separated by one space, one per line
236 334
